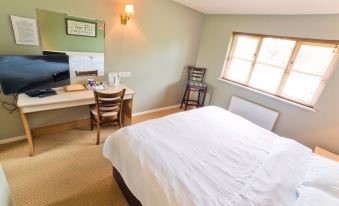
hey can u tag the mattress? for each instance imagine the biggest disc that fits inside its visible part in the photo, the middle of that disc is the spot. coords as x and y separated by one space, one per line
206 157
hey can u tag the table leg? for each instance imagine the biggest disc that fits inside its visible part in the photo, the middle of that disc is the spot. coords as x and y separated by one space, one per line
127 112
28 132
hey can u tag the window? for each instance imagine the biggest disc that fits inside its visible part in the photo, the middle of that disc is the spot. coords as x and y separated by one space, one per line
291 68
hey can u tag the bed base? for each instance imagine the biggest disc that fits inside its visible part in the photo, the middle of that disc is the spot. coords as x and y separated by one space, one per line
131 199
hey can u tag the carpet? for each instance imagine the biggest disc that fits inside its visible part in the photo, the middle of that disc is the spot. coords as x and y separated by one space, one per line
67 169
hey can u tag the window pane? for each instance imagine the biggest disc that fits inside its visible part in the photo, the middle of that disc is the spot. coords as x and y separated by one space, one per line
301 86
313 59
266 78
275 51
245 47
239 70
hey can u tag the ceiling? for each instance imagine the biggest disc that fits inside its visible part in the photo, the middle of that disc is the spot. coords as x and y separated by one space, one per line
277 7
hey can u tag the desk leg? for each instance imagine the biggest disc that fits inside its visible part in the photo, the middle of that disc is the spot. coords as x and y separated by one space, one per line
127 112
28 132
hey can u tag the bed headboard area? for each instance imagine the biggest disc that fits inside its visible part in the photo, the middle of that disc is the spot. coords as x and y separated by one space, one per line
253 112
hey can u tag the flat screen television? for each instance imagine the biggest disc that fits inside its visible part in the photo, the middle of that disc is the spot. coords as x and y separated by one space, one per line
27 74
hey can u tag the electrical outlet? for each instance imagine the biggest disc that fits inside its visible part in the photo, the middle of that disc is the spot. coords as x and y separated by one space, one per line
125 74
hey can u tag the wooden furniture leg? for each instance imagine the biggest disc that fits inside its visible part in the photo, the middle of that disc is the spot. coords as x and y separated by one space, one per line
127 112
187 98
91 119
204 97
198 103
184 97
98 132
28 132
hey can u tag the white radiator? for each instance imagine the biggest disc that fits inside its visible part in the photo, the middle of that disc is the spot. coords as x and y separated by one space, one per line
255 113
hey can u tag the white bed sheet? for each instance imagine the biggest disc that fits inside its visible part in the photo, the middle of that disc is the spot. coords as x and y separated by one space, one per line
207 157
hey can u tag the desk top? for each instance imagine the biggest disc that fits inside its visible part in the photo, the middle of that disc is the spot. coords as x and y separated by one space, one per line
65 97
322 152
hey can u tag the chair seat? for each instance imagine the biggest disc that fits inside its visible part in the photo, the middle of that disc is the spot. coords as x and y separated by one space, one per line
196 84
103 113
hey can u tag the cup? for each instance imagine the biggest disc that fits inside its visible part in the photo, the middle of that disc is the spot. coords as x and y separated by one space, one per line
91 82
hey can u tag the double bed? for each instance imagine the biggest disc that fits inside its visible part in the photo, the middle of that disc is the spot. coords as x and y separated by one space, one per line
206 157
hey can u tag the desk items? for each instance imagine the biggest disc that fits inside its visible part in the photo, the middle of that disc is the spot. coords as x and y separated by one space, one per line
113 79
91 82
75 88
41 93
95 86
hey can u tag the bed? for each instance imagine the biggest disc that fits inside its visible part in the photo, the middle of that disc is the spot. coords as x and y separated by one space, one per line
206 156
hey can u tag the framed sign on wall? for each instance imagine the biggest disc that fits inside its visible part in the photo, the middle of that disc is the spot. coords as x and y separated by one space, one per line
81 28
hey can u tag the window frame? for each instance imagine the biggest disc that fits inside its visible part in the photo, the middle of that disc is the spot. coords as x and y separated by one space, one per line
288 68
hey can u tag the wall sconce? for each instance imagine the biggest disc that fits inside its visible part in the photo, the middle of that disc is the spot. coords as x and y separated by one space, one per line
129 11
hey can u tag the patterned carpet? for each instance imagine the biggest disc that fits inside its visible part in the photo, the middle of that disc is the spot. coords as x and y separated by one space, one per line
68 169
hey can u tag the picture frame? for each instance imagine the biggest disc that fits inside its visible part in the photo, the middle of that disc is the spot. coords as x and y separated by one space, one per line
81 28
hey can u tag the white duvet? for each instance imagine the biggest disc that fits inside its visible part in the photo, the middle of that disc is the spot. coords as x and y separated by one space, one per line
207 157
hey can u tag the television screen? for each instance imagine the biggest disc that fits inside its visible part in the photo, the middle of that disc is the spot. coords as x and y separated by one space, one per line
19 74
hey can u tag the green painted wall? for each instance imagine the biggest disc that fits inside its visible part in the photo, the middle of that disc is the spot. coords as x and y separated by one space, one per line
54 38
310 128
156 45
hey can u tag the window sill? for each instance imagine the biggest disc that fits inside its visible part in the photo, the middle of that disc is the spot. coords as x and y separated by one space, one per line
269 95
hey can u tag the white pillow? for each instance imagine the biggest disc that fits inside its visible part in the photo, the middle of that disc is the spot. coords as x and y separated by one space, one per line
323 174
310 196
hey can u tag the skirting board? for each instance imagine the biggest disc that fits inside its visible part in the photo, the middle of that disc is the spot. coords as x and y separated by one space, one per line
155 110
52 129
12 139
22 137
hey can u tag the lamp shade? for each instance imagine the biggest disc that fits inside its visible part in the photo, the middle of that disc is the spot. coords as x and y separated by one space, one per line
129 9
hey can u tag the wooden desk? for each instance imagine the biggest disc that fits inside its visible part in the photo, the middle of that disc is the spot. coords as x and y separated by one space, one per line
322 152
64 99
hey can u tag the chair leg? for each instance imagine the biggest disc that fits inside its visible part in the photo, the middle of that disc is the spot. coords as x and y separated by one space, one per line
183 98
198 101
204 97
187 98
98 132
119 121
91 119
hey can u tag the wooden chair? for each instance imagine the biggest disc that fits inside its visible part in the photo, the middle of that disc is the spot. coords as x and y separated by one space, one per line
107 109
195 83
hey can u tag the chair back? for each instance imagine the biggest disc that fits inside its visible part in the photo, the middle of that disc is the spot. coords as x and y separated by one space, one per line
109 102
86 73
196 74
